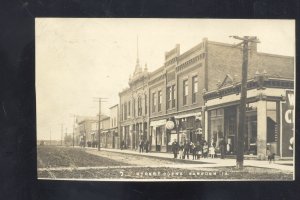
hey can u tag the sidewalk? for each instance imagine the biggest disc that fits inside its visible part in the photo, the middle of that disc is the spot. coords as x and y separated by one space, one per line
285 165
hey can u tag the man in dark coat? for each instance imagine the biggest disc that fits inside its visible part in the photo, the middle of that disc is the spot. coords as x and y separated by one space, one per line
222 146
175 148
141 145
147 146
186 149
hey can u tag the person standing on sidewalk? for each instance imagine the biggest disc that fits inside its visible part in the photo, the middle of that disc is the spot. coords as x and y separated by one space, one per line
186 149
147 146
141 145
181 151
194 150
222 146
175 148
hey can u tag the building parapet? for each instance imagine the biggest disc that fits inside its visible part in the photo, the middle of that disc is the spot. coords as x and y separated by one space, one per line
251 84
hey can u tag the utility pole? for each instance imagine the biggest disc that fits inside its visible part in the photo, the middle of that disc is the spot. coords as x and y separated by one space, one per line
100 100
73 115
242 114
61 134
50 136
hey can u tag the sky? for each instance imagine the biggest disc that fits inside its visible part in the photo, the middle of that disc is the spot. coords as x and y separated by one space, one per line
78 59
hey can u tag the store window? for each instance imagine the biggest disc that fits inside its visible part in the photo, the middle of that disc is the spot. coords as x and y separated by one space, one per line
272 122
216 126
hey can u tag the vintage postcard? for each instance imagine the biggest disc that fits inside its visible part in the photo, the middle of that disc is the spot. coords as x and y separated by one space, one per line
165 99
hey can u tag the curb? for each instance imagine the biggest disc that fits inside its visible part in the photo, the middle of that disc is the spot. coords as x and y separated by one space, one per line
163 158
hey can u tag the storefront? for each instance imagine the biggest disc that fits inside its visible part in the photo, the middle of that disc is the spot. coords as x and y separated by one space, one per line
265 127
158 136
189 127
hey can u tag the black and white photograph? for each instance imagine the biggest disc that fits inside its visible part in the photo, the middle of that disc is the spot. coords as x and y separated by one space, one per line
133 99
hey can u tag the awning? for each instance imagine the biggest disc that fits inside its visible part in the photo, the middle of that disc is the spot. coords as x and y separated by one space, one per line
197 115
158 122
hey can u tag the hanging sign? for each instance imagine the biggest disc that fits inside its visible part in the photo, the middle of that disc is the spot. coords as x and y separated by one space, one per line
170 125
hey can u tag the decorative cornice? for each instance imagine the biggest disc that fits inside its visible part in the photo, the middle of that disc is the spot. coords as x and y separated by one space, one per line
189 62
251 84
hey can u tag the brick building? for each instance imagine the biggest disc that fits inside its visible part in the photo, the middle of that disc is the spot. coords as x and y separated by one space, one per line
114 123
88 130
134 108
177 109
106 137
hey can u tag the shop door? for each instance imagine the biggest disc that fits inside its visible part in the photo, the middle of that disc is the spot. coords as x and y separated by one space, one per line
158 139
230 124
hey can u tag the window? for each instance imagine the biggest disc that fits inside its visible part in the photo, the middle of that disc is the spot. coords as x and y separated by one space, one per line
159 100
125 111
129 108
139 106
194 89
145 104
185 91
154 99
122 114
171 97
133 107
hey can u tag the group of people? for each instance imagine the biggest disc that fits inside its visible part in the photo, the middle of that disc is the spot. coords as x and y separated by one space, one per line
143 146
198 150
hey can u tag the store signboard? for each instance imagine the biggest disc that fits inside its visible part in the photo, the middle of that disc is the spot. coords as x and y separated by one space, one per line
288 119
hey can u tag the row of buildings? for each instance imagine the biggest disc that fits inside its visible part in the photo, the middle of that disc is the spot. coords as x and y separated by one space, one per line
195 96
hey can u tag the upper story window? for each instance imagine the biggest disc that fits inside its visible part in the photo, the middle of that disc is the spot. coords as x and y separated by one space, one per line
154 102
129 105
185 91
171 97
139 106
159 100
122 114
133 107
194 89
125 111
145 104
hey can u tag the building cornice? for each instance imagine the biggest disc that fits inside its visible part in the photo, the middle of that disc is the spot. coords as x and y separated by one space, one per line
281 83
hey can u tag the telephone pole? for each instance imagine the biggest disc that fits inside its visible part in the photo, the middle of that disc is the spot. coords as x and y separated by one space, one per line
73 115
50 136
61 134
100 100
242 114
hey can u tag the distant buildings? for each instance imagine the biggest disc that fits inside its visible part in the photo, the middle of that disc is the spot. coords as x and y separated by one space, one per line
88 130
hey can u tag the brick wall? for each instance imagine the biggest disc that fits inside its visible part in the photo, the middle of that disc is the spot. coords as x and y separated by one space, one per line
224 59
